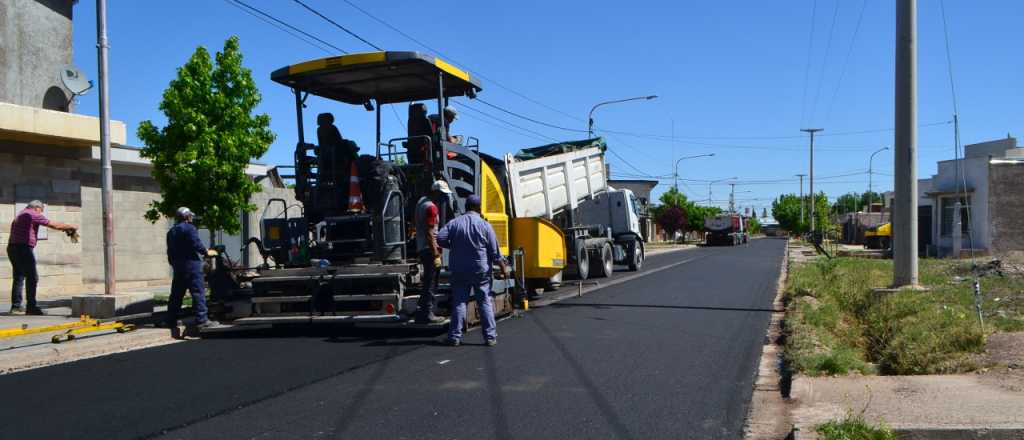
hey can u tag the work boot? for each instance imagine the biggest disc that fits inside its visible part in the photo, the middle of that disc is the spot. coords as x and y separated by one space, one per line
208 324
491 342
34 311
15 309
453 342
429 319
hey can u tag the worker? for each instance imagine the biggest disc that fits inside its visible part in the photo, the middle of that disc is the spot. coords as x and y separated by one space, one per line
184 253
450 115
21 252
427 220
473 249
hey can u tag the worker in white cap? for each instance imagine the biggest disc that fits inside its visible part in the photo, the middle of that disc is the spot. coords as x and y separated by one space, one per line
428 215
185 252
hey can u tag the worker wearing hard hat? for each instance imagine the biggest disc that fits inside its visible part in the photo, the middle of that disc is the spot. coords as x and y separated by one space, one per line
428 215
184 253
450 115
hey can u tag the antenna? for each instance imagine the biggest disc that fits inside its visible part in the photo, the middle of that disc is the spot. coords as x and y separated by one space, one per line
75 81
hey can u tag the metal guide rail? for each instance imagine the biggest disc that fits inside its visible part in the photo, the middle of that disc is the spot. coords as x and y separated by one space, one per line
69 330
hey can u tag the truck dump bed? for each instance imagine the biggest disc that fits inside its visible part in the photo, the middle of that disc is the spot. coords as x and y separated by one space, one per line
549 183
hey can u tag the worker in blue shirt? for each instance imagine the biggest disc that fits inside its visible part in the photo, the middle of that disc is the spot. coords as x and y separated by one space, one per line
184 253
473 249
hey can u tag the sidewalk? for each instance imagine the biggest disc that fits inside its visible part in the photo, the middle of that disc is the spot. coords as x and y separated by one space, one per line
36 350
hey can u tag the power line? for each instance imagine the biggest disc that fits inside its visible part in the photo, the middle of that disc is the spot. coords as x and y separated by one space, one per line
846 62
542 136
442 54
526 118
807 69
337 25
254 10
824 61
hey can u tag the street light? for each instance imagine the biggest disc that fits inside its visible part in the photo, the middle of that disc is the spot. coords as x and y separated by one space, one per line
732 196
714 182
590 117
675 173
871 175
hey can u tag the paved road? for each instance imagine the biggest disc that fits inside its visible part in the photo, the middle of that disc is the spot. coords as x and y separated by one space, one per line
670 354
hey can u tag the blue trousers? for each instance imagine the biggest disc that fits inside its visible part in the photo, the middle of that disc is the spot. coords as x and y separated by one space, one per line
23 263
477 286
188 275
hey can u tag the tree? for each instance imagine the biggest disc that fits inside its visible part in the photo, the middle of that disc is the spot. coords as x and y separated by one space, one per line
753 225
692 213
199 158
672 219
786 211
849 202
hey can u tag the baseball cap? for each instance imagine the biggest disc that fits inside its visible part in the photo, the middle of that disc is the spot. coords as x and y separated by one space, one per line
449 110
442 186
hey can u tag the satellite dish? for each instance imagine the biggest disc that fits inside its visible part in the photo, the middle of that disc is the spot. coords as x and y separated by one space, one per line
75 81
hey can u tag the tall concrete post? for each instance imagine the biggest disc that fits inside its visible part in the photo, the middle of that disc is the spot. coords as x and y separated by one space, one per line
801 176
904 231
106 171
811 131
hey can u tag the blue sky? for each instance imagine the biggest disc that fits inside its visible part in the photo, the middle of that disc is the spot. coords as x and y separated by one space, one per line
730 77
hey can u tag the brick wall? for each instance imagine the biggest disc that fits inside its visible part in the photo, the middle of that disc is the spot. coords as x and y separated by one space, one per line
1006 207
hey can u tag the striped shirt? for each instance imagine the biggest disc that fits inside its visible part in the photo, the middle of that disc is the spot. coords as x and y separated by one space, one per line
25 227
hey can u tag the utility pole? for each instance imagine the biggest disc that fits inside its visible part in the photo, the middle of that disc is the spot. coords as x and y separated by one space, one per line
106 172
904 231
732 197
811 176
801 176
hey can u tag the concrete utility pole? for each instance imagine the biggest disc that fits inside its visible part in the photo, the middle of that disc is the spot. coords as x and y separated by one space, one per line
801 176
904 231
106 171
732 197
714 182
871 197
812 131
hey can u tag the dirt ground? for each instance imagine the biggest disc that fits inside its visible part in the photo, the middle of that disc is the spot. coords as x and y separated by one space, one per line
1003 361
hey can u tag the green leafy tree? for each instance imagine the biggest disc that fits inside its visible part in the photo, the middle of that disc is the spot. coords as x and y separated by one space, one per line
849 202
753 225
199 157
786 211
693 213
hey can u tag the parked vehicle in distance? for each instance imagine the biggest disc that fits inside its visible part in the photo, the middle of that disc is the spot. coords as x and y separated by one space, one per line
878 237
771 229
726 229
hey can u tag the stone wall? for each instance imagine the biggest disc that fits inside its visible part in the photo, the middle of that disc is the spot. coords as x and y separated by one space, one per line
1006 207
35 42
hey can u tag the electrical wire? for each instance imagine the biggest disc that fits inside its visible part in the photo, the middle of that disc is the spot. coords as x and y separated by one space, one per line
824 61
310 9
252 10
807 69
846 62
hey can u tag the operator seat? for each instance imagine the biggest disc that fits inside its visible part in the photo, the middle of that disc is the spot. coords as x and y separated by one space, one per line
332 174
418 147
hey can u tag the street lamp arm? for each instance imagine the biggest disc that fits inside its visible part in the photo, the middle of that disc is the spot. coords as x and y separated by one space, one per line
590 116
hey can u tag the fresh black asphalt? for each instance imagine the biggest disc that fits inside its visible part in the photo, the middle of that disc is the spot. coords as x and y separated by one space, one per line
671 354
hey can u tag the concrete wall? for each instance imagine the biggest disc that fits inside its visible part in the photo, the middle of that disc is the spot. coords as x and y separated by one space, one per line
35 42
1006 207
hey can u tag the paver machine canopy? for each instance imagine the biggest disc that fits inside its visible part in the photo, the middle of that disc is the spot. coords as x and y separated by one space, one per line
324 174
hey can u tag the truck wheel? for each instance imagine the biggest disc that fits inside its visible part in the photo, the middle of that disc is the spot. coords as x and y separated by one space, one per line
582 262
636 256
603 264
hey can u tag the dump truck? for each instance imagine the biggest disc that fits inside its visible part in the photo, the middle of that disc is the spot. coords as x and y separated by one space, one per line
565 216
728 229
350 256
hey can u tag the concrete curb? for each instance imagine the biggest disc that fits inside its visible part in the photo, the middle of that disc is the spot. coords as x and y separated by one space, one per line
768 416
44 355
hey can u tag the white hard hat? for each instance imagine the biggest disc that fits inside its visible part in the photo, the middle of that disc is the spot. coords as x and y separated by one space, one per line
449 110
442 186
183 213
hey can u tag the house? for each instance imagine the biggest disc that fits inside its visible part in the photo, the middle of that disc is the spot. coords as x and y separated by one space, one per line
48 152
986 183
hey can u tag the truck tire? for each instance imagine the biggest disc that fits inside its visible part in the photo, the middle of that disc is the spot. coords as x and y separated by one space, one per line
582 262
636 256
602 265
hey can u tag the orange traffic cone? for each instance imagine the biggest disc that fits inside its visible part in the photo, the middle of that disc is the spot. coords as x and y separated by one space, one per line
355 193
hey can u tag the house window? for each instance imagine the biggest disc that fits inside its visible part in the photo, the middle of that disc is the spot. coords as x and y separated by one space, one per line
948 205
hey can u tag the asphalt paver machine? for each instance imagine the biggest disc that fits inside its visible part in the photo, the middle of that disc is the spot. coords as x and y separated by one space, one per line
350 257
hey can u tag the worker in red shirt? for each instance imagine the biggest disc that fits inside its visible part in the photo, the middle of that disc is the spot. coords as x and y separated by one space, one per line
21 252
428 214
